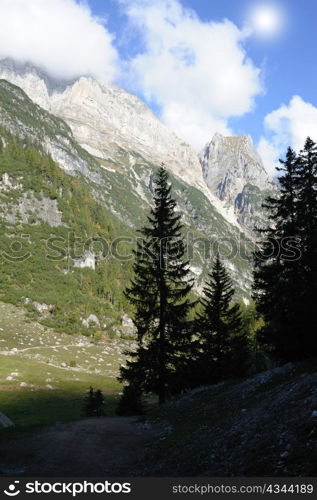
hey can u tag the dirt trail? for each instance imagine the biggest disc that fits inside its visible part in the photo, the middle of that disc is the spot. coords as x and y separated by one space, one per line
91 447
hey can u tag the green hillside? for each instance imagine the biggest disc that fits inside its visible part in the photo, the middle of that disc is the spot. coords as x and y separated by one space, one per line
49 220
122 185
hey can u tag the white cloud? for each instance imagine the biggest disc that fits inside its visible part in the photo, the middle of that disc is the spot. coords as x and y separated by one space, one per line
196 72
289 125
61 36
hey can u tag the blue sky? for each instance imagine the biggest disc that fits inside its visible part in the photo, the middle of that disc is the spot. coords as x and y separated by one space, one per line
289 60
202 66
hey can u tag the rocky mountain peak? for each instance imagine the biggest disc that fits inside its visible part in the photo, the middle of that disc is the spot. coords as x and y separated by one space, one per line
105 119
234 172
229 163
109 122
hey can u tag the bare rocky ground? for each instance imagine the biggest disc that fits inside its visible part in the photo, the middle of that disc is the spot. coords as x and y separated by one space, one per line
112 446
263 426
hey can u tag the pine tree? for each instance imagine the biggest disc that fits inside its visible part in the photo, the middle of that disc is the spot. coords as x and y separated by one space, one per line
285 285
277 277
307 215
94 402
159 293
223 343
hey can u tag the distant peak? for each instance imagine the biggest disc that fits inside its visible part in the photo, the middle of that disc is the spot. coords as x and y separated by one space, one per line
217 137
24 68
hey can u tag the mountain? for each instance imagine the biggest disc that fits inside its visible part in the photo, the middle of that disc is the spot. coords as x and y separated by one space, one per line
114 126
234 172
53 192
51 226
106 119
126 145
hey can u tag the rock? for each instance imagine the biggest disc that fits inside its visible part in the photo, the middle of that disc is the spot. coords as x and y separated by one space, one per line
5 421
103 117
234 172
30 210
127 325
314 414
23 384
285 454
87 260
91 322
41 308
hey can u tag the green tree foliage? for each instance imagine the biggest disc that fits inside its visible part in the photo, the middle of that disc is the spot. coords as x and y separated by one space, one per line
131 401
285 279
48 275
159 293
94 403
223 343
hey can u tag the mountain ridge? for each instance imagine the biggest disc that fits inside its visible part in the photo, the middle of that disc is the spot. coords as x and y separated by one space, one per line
106 119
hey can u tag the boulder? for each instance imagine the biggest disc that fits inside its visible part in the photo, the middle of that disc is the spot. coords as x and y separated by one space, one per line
91 322
127 325
5 421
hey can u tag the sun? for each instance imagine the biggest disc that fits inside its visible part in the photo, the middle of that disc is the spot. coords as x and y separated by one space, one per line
266 20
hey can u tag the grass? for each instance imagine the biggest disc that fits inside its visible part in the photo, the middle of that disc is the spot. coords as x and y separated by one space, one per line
39 384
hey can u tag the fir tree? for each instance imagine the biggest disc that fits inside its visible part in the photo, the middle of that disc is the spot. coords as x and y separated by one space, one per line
223 343
285 285
307 215
131 401
94 403
159 293
277 277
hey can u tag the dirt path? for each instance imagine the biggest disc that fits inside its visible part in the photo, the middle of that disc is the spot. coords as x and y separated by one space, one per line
91 447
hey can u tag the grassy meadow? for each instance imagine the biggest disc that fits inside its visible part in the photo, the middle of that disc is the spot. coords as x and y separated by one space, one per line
44 375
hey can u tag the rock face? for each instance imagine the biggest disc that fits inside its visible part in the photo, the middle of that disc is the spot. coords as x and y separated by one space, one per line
234 172
123 186
106 118
109 122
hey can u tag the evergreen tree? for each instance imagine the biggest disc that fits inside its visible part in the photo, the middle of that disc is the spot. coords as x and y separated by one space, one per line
307 215
277 277
223 344
159 293
285 285
94 402
131 401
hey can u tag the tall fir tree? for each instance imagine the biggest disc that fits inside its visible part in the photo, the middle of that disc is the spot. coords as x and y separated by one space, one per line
222 341
159 293
307 215
277 276
285 285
